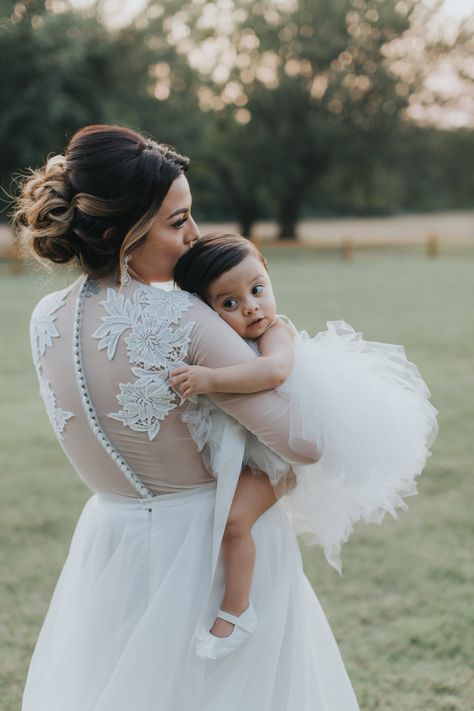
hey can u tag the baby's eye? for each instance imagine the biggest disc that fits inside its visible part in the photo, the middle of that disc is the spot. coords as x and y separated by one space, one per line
230 304
257 289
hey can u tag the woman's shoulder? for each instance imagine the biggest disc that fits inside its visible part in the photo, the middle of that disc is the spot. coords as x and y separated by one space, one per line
44 329
139 300
199 310
172 305
52 302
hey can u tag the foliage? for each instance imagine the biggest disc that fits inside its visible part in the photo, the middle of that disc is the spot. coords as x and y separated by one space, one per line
312 76
286 108
419 168
73 71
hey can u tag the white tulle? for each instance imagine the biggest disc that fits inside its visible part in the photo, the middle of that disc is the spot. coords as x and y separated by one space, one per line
207 424
367 409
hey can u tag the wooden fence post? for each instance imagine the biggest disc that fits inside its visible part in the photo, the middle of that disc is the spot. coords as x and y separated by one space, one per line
347 249
432 245
256 241
15 256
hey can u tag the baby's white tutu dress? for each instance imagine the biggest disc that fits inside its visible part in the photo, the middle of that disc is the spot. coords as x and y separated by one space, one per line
367 408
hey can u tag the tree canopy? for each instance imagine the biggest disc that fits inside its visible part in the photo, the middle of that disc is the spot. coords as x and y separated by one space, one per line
285 108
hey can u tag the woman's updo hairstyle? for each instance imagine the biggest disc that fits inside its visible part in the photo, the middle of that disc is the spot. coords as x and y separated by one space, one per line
96 203
211 256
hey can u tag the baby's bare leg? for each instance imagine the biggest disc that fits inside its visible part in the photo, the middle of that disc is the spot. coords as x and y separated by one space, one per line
254 495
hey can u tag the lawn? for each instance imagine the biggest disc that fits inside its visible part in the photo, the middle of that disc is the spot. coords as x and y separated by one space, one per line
402 611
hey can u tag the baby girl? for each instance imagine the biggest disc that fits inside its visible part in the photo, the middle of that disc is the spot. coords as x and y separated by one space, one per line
352 394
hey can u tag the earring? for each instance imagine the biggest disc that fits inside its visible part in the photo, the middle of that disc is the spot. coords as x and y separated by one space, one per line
125 278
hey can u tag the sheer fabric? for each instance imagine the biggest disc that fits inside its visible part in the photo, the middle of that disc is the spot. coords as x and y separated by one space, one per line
131 335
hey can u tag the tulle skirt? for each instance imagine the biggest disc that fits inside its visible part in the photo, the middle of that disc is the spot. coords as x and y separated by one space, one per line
367 408
118 632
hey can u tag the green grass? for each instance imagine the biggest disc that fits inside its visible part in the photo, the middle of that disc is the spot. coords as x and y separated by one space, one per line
402 611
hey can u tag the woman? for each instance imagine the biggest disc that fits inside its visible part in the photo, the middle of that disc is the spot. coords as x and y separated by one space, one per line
144 571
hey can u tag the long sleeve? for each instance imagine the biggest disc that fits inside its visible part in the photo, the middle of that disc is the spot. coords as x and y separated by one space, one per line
214 344
130 338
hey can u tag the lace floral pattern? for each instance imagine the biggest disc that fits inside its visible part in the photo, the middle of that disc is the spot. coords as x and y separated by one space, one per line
42 332
43 329
153 349
57 416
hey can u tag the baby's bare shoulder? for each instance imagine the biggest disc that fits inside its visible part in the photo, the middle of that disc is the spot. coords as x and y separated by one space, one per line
283 322
280 330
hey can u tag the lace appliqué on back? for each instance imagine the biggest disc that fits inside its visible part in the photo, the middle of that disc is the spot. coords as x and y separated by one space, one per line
153 349
42 332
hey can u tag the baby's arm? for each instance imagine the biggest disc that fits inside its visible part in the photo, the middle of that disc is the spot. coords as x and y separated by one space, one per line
264 373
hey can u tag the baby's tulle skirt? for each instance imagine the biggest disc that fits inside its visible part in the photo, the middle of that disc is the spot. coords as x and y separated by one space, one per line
118 632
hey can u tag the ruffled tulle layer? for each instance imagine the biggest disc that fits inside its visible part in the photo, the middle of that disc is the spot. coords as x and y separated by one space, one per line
367 408
118 635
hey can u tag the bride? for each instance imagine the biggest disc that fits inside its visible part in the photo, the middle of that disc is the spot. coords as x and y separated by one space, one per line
144 571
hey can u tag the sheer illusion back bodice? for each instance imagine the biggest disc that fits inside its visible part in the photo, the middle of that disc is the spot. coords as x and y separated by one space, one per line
102 355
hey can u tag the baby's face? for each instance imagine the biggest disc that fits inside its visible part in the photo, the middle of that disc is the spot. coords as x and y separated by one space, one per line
243 297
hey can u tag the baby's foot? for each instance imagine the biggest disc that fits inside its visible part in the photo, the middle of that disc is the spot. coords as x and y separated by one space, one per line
221 628
221 642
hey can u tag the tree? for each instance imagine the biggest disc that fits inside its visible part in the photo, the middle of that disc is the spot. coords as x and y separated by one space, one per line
305 80
66 70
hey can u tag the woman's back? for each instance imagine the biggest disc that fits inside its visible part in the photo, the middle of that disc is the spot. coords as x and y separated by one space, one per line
120 344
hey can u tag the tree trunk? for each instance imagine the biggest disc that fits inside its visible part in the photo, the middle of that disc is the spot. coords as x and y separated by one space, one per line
287 221
246 208
246 224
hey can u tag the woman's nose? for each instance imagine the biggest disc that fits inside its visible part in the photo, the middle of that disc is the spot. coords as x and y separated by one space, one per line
192 234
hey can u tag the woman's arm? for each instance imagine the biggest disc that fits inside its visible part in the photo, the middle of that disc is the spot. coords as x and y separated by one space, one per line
214 344
264 373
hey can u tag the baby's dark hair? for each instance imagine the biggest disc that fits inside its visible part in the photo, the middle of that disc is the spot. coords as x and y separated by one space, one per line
211 256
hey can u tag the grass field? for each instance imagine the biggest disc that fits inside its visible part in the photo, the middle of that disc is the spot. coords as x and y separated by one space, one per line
403 610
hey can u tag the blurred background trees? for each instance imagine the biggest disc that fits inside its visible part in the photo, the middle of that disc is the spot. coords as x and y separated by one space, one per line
287 107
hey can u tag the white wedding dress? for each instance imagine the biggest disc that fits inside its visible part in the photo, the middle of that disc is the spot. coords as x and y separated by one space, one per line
144 572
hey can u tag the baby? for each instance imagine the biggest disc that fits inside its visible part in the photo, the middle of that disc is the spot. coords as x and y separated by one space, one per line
229 273
363 404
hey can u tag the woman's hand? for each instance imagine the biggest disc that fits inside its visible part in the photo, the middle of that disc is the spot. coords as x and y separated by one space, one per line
191 380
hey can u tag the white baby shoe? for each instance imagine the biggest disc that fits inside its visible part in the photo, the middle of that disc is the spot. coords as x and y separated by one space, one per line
209 646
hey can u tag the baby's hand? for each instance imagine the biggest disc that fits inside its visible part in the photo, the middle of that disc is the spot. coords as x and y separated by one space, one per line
191 380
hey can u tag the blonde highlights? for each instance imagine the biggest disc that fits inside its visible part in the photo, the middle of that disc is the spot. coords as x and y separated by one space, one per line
44 211
134 238
96 203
